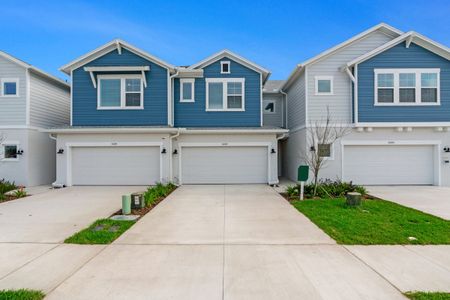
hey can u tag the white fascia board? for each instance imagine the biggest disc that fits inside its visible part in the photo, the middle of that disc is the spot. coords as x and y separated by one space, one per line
108 47
227 53
117 68
415 37
233 131
110 130
403 124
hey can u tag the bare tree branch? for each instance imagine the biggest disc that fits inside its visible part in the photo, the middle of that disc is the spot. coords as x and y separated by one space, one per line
321 132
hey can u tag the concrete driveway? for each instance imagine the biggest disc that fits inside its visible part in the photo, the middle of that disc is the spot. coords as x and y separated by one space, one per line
52 216
430 199
224 242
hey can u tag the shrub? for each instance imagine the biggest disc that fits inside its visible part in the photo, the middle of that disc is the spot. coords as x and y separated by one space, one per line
20 193
6 186
155 193
327 189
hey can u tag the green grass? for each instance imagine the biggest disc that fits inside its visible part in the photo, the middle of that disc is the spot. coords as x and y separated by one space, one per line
375 222
21 294
428 296
103 236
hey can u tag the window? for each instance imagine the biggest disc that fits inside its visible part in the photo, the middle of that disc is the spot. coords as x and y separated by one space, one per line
324 85
225 94
324 150
187 90
120 92
269 107
10 152
407 86
9 87
225 67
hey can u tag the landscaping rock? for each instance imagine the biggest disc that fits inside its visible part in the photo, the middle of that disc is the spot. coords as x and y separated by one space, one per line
125 217
98 228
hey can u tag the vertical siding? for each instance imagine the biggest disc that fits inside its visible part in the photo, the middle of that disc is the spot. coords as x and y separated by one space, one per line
339 103
402 57
13 109
296 103
155 95
275 119
195 114
50 102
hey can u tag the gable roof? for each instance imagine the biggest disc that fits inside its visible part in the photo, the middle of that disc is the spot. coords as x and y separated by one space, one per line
273 86
108 47
227 53
33 68
409 37
385 28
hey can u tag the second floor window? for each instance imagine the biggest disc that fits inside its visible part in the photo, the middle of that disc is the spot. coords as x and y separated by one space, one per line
407 87
120 92
187 90
225 94
9 87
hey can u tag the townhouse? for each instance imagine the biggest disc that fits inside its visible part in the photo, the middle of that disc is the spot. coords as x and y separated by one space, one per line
137 120
30 100
393 90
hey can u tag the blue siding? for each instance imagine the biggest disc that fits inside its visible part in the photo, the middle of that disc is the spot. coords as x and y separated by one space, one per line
85 111
195 114
402 57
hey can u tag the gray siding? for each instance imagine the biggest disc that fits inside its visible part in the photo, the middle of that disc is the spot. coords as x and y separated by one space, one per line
296 103
50 103
275 119
13 109
340 103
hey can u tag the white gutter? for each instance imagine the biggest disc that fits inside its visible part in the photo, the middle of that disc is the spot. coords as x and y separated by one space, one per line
50 135
233 131
171 98
171 153
285 101
282 136
110 130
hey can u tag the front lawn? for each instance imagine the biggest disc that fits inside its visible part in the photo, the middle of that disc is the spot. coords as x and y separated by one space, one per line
21 295
428 296
375 222
103 231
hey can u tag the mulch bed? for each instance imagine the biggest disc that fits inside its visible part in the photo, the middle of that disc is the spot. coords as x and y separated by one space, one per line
10 198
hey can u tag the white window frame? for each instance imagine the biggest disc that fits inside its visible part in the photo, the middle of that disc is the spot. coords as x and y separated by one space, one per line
222 63
192 82
316 80
267 101
9 143
122 91
418 87
6 80
331 157
225 82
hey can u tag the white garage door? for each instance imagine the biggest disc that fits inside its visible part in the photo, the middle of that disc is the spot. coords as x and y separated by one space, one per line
115 165
232 165
389 164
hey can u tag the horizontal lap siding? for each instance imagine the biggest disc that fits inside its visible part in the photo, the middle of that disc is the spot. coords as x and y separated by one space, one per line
402 57
155 95
340 103
275 119
13 109
195 114
296 103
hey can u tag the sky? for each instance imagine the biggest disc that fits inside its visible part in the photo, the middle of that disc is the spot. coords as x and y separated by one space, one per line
274 34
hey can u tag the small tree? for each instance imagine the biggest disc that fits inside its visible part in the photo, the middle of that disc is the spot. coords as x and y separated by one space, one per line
319 133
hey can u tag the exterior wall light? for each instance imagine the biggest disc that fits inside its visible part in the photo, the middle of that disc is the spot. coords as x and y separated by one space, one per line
163 151
19 152
273 151
60 151
312 149
175 152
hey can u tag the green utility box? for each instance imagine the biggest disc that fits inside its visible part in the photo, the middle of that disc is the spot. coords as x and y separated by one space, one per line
137 201
303 173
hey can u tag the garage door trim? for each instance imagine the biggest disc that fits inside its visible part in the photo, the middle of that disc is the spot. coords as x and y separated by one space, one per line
203 145
69 147
436 147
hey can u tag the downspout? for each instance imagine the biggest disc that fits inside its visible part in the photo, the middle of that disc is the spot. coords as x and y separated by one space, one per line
286 103
172 96
171 153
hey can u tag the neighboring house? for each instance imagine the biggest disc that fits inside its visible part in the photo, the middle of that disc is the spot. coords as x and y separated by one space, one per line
137 120
393 89
30 100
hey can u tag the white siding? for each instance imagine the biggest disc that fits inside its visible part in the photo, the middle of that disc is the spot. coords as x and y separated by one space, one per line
296 103
50 102
275 119
340 103
13 109
294 149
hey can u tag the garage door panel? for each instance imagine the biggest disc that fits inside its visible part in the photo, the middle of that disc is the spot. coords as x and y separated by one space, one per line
220 165
115 165
389 164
